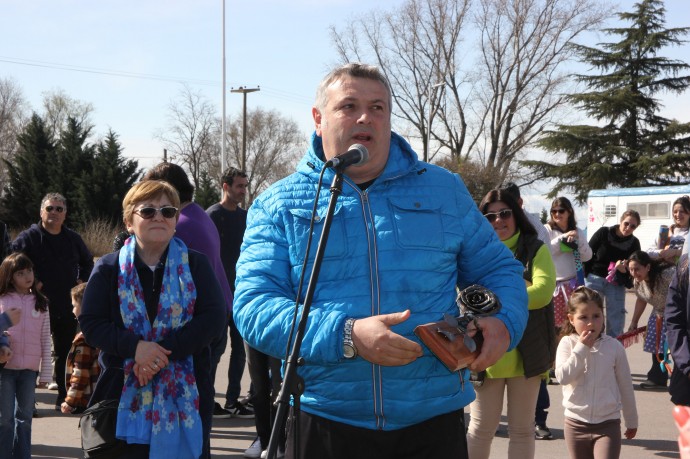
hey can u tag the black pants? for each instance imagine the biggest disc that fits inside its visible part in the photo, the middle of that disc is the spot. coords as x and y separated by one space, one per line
63 330
320 438
264 372
655 373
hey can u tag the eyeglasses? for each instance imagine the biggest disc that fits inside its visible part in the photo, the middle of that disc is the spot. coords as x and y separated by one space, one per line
502 214
58 209
558 211
148 213
631 225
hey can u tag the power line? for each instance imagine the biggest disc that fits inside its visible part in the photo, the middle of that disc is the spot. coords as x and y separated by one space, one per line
273 92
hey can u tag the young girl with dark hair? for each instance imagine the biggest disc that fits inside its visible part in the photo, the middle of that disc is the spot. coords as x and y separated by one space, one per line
587 360
30 343
670 247
652 278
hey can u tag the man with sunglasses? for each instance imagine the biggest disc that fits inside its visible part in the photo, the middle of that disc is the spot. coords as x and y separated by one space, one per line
61 261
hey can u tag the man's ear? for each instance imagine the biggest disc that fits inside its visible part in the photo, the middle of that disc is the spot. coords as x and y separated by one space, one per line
316 114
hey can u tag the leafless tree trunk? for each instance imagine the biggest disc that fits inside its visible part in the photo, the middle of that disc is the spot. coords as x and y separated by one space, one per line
417 48
521 82
501 71
274 145
191 135
58 107
13 117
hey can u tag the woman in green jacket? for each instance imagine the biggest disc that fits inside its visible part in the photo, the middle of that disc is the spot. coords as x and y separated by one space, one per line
519 371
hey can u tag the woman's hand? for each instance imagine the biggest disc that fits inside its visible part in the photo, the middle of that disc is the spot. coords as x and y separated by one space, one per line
571 236
622 265
149 358
633 326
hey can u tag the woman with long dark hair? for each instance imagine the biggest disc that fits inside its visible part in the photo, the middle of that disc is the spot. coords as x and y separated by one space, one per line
569 248
669 248
611 246
521 370
652 278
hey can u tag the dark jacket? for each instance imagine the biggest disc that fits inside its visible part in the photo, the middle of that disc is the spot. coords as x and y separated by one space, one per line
677 319
538 343
607 246
59 261
103 327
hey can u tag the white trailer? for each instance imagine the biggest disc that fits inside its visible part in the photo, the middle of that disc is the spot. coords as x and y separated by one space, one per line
605 207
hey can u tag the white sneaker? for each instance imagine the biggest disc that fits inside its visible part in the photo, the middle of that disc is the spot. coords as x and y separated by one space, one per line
254 451
52 386
280 455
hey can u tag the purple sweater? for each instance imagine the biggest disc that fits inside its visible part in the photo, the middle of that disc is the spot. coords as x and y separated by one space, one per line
198 232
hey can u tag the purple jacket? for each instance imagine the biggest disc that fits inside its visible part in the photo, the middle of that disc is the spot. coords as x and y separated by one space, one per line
198 232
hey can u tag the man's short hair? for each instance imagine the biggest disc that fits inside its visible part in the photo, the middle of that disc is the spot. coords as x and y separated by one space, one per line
54 197
230 175
174 175
512 189
354 70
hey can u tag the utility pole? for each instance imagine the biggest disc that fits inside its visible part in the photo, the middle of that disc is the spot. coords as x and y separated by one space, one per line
244 92
222 123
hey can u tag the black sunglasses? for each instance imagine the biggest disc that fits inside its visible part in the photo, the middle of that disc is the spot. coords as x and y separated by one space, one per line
631 225
559 211
502 214
148 213
58 209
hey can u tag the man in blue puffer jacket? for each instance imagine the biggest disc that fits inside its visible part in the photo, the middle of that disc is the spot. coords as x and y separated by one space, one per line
404 235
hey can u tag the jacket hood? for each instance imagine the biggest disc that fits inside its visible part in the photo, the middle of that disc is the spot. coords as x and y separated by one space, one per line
401 159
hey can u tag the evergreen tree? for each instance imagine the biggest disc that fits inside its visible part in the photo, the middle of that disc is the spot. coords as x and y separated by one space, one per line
631 145
75 160
30 173
100 193
208 192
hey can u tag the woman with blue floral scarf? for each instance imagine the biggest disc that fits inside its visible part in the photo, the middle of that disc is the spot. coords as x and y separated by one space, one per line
152 308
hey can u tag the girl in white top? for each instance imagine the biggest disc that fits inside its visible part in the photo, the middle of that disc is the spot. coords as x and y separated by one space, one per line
563 230
595 378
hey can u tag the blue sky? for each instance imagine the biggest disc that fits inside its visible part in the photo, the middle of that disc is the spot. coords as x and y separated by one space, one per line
283 46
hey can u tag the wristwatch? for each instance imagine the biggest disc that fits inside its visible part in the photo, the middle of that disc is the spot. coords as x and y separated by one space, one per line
349 349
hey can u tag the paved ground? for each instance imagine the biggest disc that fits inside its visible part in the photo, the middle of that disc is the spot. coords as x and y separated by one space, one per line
57 436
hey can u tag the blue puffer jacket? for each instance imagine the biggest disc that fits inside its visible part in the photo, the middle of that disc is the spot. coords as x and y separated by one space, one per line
404 243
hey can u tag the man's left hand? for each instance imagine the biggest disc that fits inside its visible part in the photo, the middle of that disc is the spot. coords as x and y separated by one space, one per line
496 342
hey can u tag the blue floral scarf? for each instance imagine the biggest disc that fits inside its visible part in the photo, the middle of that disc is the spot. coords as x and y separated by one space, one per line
164 413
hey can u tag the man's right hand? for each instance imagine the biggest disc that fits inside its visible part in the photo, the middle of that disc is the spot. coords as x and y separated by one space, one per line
376 343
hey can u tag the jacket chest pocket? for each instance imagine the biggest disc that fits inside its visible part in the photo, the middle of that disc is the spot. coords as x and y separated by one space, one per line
337 246
417 223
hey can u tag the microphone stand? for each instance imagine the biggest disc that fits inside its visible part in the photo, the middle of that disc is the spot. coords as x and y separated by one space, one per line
293 384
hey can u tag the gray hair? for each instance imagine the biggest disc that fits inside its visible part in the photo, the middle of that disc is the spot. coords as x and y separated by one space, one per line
354 70
54 197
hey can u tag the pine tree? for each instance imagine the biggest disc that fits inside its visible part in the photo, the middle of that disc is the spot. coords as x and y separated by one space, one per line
208 192
30 173
101 192
631 144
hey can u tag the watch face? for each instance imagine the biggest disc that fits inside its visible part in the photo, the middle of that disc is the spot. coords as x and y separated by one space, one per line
348 351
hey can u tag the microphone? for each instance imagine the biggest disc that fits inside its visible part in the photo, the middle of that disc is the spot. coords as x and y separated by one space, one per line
357 155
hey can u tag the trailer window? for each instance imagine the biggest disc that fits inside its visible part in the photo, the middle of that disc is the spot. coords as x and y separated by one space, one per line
658 210
610 211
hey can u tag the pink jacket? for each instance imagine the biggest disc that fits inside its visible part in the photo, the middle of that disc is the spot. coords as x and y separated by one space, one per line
30 338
